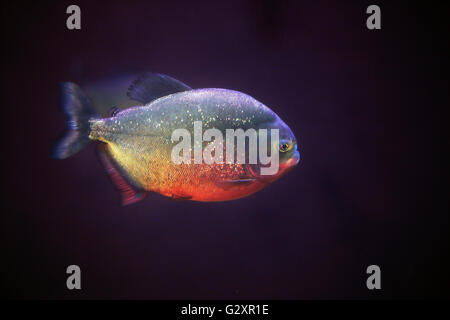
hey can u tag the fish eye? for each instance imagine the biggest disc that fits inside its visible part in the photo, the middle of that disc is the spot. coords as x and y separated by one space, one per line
285 146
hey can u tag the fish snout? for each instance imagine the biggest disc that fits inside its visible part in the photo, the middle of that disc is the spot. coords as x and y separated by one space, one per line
294 160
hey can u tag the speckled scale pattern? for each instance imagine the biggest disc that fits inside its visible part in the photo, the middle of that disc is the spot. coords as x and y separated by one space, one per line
139 140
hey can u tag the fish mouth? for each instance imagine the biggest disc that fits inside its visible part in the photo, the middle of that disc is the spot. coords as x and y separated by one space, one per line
294 160
290 164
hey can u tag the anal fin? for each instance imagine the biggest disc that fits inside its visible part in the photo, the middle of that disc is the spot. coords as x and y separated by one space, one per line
129 194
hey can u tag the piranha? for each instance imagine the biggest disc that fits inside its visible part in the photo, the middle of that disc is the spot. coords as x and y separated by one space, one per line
136 143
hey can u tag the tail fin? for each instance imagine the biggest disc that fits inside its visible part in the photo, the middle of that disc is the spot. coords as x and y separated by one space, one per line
79 111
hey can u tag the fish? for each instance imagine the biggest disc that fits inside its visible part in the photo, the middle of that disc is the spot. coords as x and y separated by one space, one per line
136 144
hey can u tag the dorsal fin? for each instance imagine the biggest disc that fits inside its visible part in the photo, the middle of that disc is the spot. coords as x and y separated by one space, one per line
151 86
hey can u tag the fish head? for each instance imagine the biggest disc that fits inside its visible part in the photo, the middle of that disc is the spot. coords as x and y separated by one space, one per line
289 156
286 149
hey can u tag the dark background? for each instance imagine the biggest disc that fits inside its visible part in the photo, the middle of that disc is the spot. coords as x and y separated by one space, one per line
366 106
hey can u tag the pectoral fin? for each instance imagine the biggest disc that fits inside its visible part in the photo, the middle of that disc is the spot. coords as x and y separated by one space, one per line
181 197
151 86
227 184
129 193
